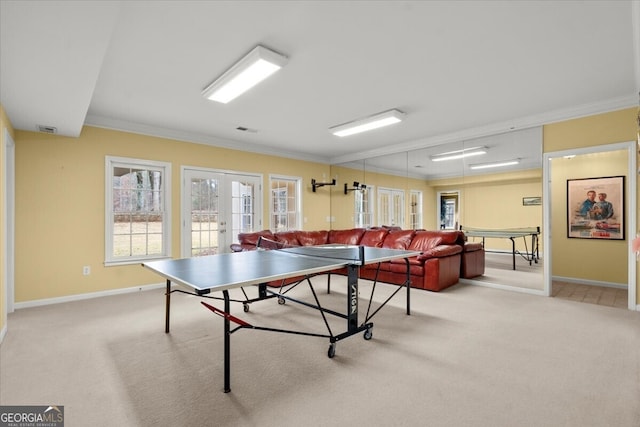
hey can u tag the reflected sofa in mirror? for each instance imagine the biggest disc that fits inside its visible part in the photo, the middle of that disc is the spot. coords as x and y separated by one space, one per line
454 193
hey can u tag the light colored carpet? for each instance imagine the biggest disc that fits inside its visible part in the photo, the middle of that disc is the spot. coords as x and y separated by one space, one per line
468 356
499 270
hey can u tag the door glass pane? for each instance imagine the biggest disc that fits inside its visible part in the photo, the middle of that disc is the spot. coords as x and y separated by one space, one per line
384 212
243 193
204 216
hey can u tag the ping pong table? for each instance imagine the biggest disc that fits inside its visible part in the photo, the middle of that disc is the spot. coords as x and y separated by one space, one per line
511 234
223 272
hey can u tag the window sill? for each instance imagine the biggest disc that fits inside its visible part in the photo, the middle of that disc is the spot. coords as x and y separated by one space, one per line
133 261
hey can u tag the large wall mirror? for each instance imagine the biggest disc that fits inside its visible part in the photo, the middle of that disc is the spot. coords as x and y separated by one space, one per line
436 187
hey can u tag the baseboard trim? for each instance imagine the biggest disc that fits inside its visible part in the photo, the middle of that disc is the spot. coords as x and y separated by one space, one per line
91 295
503 287
590 282
3 333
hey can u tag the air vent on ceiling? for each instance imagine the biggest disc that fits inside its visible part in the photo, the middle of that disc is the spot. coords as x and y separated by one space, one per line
244 129
47 129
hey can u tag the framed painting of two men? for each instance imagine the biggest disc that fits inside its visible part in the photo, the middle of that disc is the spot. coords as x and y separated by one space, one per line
595 208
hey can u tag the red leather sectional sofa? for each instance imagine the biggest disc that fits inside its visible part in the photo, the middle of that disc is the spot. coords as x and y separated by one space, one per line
445 255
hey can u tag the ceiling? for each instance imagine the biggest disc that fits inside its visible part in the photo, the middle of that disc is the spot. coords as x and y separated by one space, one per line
459 70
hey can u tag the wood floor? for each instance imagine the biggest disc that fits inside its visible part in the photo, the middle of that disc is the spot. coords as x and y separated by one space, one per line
499 270
600 295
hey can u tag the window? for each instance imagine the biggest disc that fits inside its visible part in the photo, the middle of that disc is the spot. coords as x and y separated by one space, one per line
415 209
243 206
285 203
364 207
138 201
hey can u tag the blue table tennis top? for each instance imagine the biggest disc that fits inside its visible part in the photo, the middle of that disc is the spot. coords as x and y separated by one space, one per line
501 233
232 270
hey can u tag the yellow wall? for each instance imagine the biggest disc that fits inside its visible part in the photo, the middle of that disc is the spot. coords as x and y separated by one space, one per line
600 260
595 260
60 204
4 124
495 201
342 205
487 201
60 197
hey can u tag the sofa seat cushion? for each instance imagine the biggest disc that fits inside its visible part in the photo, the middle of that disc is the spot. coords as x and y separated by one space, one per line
346 237
439 252
311 238
415 269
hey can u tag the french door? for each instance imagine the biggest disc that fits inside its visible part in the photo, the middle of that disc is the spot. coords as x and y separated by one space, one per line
216 206
390 207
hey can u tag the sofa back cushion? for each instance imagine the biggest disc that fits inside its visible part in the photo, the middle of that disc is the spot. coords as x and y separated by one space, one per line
398 239
310 238
425 240
452 237
289 238
374 237
252 238
346 237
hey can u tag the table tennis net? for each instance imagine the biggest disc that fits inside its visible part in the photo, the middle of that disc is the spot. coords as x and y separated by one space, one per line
503 230
351 253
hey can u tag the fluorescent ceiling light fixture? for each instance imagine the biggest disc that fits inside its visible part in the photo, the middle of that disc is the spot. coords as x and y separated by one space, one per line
256 66
495 164
459 154
376 121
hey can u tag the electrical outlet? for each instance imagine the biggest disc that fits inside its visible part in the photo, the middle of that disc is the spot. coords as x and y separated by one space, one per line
86 270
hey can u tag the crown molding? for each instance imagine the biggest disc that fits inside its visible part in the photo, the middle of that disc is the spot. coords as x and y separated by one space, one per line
196 138
522 123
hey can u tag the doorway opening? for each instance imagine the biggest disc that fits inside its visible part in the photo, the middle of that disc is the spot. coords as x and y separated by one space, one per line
448 203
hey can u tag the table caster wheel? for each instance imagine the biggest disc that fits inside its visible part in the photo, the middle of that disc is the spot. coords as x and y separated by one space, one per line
332 351
245 307
368 334
281 300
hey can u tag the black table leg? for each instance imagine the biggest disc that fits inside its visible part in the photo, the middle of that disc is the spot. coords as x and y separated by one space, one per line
167 307
408 286
352 297
227 343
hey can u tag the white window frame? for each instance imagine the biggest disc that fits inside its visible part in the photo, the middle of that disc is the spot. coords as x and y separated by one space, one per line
415 215
165 169
229 231
297 181
364 218
396 208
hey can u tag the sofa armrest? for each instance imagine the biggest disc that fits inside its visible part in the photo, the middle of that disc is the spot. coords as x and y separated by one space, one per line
473 246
